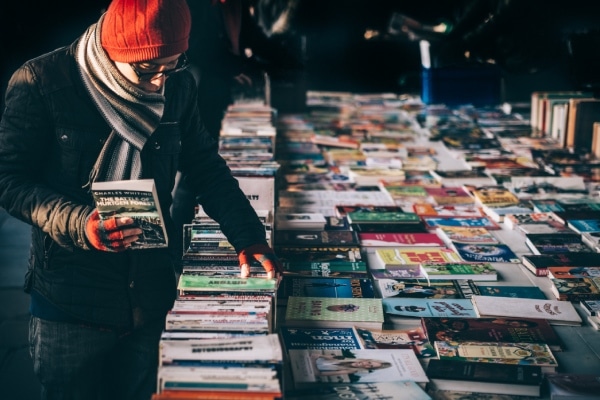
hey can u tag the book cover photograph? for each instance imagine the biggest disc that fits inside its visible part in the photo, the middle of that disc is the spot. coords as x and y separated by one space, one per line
410 338
138 200
355 366
422 290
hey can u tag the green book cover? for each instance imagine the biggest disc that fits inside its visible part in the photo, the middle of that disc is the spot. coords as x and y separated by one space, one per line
225 283
386 217
326 309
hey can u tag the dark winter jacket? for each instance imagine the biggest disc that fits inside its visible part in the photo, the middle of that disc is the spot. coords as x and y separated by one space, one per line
50 136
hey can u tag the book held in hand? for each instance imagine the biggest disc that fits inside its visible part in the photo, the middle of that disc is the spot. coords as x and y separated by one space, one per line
138 200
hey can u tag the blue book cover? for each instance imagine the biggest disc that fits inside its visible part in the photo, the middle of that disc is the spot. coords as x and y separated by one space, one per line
528 292
486 253
320 338
326 287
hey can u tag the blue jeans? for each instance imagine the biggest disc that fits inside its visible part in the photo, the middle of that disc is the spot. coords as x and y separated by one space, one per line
76 362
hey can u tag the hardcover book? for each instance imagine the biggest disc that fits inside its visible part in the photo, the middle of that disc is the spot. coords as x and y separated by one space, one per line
355 366
449 308
326 312
538 354
555 311
509 379
136 199
496 329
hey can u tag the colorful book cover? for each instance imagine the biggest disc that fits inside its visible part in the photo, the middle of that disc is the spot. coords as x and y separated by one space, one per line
450 308
467 234
320 338
191 282
494 196
573 271
359 217
482 222
449 195
390 239
409 338
498 353
547 243
497 329
486 253
389 257
455 210
576 289
355 366
476 271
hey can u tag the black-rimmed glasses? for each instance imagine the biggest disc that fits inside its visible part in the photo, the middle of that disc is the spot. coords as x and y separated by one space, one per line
182 64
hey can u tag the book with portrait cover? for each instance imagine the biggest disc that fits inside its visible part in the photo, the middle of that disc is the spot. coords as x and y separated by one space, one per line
310 367
497 329
327 312
320 338
138 200
497 379
498 353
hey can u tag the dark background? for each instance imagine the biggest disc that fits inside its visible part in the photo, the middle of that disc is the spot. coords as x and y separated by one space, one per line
536 44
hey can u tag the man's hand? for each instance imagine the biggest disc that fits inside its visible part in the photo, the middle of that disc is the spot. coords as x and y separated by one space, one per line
113 234
264 255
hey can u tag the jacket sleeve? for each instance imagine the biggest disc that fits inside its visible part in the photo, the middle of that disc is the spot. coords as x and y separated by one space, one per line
26 135
207 174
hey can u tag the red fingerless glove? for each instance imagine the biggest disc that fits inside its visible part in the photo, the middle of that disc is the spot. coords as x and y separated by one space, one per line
263 254
104 235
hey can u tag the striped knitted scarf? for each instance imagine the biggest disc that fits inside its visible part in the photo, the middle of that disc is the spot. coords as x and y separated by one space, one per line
133 114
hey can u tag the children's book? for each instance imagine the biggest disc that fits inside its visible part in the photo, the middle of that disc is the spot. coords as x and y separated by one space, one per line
355 366
327 312
497 329
136 199
498 353
449 308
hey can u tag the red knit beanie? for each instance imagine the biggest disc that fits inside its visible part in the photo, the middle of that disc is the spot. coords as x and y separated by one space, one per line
142 30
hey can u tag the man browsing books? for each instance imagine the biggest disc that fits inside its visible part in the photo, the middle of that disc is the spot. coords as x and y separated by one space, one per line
116 104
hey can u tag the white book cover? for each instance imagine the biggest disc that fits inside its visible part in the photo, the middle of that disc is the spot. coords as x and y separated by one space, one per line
555 311
355 366
255 349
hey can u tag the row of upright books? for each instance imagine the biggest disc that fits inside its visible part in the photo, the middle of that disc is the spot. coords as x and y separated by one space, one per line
391 222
